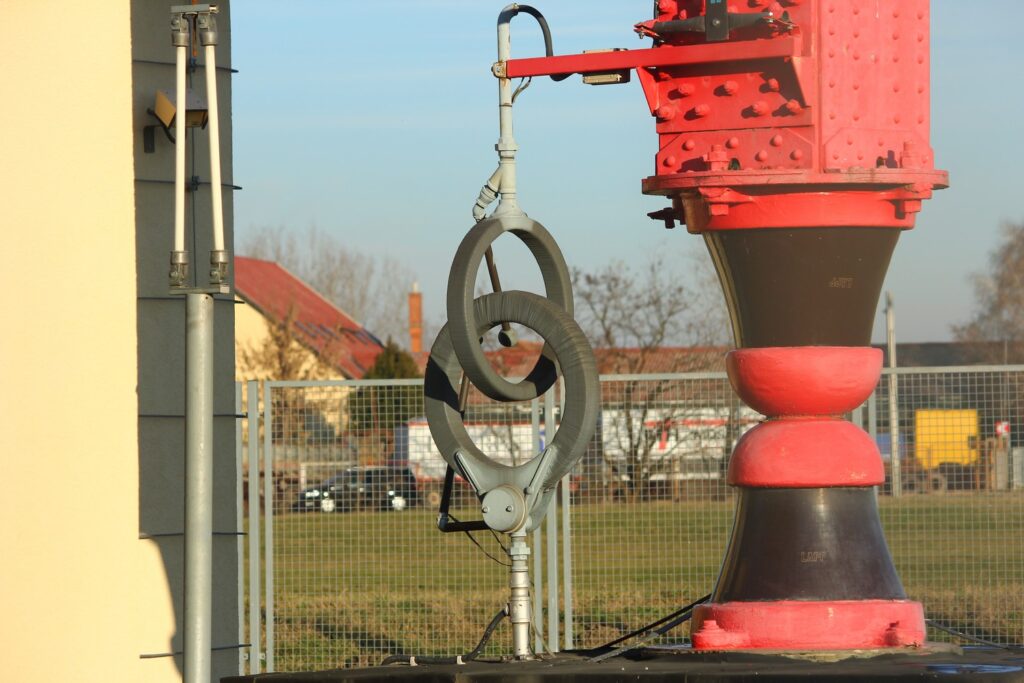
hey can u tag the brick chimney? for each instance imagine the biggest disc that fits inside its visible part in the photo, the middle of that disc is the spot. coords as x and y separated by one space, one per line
415 319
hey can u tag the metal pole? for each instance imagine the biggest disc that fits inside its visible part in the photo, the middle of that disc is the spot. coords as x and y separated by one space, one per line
551 528
198 487
506 147
538 567
255 632
268 516
567 560
894 406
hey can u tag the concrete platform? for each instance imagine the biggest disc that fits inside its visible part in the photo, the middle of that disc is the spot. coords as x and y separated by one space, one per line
683 664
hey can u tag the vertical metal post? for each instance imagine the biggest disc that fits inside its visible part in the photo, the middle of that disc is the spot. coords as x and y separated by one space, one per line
268 516
198 487
896 476
567 560
255 632
538 567
506 146
519 604
239 529
551 529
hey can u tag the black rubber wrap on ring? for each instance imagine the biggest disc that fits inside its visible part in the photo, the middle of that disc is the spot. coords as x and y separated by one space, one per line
463 329
575 357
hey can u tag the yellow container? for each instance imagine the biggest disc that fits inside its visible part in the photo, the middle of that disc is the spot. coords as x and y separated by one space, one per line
945 436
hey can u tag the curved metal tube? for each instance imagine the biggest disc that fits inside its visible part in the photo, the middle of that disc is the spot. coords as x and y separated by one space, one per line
462 326
537 477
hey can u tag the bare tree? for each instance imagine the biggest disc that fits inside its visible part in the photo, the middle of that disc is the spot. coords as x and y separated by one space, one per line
370 289
655 319
632 316
999 300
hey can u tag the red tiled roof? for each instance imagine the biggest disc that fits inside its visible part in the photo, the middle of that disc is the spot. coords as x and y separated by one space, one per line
518 360
318 324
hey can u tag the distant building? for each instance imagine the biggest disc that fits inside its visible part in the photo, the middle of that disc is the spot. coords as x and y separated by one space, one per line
946 354
323 341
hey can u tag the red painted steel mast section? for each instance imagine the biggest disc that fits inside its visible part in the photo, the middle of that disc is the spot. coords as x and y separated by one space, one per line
794 137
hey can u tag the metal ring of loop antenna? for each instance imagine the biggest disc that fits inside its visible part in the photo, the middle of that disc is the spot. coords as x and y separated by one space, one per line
578 422
462 325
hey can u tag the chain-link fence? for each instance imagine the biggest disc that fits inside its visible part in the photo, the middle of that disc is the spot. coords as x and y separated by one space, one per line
357 569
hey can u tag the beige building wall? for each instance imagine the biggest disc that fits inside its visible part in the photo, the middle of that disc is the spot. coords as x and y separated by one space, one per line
91 444
252 334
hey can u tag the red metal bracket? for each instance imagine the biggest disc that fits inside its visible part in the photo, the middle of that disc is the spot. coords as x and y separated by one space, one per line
664 56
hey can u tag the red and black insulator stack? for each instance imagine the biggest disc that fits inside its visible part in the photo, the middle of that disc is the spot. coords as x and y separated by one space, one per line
794 137
800 171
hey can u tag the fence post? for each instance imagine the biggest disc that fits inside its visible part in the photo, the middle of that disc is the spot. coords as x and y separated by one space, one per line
895 467
240 529
255 630
551 528
268 516
872 426
538 566
567 559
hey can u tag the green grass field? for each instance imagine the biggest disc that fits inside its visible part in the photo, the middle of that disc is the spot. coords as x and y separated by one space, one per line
353 588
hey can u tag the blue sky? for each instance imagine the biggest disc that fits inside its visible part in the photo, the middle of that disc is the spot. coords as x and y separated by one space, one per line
376 122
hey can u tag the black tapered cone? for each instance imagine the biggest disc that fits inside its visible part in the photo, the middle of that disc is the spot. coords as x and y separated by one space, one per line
802 286
807 544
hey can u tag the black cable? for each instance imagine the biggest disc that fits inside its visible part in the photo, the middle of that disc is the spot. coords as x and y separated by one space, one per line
653 630
965 636
497 539
482 549
506 16
468 657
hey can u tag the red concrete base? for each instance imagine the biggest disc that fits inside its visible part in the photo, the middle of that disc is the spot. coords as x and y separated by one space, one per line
807 625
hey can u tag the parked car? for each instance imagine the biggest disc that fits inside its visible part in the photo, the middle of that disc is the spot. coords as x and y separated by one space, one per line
361 488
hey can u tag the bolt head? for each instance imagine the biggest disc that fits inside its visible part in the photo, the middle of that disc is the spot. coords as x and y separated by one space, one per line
685 89
665 112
